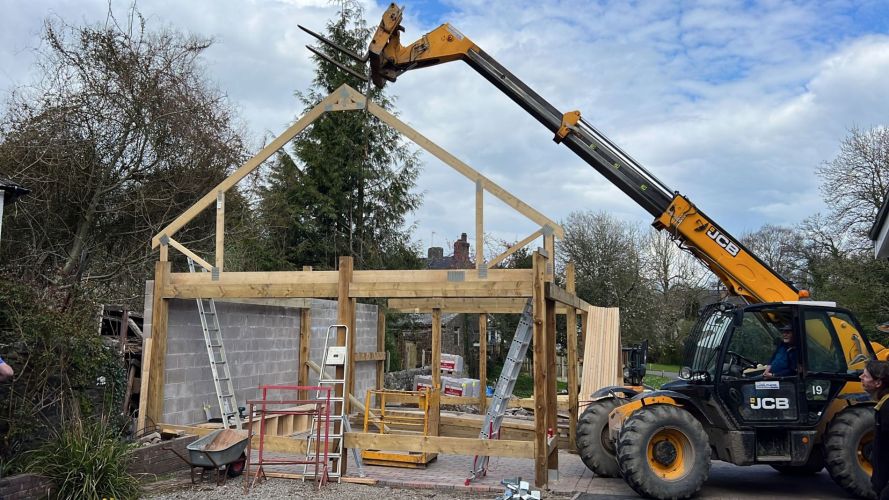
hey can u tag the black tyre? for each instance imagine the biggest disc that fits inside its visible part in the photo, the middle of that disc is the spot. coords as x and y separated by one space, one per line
846 450
813 466
663 452
593 443
236 468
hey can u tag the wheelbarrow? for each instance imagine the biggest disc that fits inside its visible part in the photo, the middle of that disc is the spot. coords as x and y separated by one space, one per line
221 451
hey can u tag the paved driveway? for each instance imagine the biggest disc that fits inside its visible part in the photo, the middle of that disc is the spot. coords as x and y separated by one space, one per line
726 481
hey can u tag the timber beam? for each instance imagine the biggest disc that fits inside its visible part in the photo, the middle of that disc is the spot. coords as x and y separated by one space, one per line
554 293
364 284
478 305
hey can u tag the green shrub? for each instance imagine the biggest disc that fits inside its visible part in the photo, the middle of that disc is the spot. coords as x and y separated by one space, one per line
58 356
86 461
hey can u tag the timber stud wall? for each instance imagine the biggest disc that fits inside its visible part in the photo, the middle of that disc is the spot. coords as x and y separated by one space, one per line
482 290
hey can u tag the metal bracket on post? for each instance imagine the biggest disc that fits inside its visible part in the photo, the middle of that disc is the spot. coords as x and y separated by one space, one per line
456 276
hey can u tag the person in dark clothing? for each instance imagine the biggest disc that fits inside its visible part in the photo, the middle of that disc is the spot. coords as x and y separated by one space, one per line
875 380
6 372
785 361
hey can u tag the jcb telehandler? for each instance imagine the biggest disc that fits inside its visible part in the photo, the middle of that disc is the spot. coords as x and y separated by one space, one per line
723 407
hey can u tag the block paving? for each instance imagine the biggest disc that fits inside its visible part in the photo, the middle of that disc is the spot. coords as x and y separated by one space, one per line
726 481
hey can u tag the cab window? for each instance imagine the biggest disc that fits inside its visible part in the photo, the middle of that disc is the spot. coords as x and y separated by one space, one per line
754 343
823 351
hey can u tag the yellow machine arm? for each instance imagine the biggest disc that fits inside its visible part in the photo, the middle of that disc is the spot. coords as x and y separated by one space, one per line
741 271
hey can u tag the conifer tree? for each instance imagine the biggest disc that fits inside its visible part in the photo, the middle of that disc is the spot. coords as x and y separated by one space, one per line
345 186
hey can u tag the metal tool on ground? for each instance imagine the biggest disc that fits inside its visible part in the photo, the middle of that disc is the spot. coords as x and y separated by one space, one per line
335 357
505 384
518 489
222 378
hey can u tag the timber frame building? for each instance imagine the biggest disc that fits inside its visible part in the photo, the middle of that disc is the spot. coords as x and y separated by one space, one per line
483 290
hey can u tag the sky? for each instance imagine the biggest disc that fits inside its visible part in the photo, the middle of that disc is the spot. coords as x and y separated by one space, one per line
733 103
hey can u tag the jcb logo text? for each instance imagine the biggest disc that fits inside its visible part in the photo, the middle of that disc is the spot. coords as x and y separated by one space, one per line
769 403
722 240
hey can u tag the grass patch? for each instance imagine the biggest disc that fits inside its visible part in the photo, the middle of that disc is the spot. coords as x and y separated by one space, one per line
663 368
524 386
655 381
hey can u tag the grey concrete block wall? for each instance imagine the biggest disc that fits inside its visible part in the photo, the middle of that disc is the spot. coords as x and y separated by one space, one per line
262 347
324 314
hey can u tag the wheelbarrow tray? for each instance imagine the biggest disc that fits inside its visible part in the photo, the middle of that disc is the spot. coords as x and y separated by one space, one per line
220 447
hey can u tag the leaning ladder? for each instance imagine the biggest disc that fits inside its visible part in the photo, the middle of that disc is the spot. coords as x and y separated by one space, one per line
335 356
505 384
222 379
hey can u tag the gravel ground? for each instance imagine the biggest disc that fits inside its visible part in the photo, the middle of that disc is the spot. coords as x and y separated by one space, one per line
180 487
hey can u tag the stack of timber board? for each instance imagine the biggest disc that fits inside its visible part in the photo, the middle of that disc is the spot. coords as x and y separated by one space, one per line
601 352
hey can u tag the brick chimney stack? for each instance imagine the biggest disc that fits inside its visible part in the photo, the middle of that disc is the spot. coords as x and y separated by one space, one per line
461 251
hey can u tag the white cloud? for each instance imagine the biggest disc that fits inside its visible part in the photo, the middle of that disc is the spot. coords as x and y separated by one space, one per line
734 104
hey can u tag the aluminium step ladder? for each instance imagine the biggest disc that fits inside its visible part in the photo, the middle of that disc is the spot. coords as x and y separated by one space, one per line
335 356
222 379
505 384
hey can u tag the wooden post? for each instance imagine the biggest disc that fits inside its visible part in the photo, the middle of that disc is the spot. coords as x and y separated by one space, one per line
552 416
549 245
541 446
305 336
159 316
571 320
345 313
479 225
435 397
350 348
220 229
381 347
483 362
143 382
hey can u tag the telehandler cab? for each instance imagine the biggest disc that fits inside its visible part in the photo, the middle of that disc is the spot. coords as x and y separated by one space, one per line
724 406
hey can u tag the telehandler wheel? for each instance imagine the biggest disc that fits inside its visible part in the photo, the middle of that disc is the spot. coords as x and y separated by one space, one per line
846 450
663 452
593 442
812 466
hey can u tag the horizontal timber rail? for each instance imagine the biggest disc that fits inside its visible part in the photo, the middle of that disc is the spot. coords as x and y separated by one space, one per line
477 305
435 444
553 292
364 284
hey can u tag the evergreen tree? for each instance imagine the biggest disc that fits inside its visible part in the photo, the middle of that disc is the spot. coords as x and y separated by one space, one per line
345 189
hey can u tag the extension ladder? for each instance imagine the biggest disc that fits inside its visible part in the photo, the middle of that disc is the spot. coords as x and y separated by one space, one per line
335 356
222 379
505 384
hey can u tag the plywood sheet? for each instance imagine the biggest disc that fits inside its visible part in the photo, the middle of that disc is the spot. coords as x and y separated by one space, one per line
601 353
